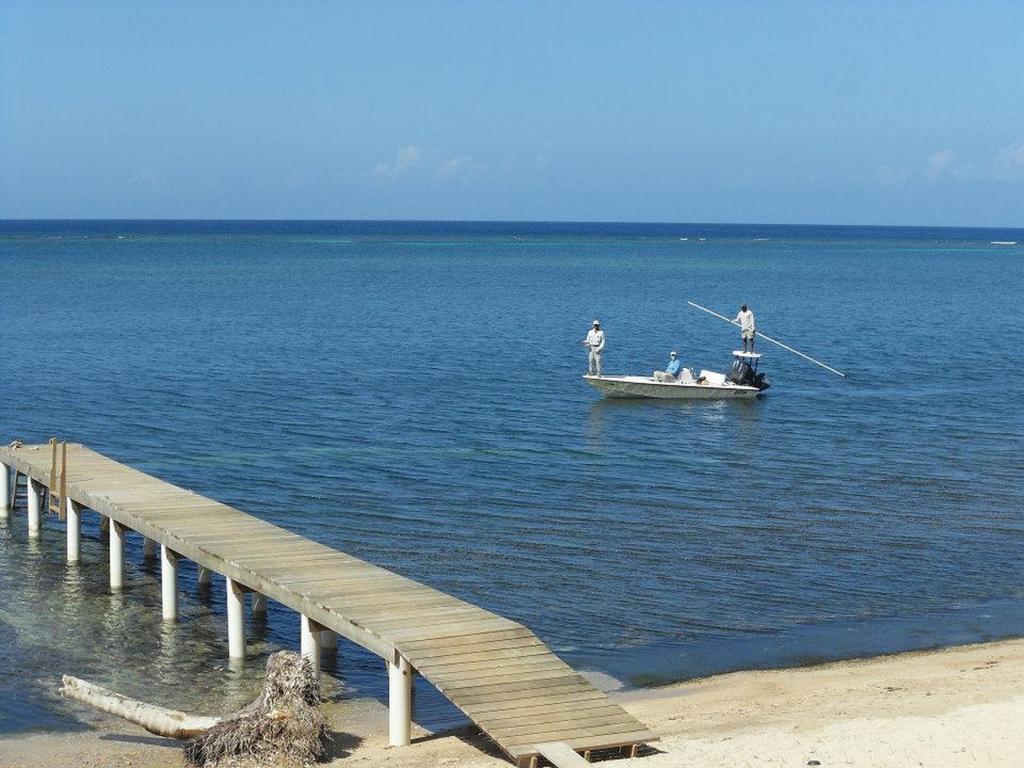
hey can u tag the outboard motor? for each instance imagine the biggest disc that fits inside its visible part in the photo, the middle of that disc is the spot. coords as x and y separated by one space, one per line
745 374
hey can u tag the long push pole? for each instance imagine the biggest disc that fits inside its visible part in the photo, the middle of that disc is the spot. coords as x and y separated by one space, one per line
773 341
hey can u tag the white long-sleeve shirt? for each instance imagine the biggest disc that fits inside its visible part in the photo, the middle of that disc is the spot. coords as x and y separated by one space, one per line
595 340
746 320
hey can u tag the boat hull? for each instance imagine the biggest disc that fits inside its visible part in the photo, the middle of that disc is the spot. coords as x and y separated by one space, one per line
644 387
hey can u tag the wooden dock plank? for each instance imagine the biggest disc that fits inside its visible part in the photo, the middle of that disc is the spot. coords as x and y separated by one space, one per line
541 668
421 646
566 725
596 741
443 655
561 755
574 709
452 629
464 660
495 711
498 683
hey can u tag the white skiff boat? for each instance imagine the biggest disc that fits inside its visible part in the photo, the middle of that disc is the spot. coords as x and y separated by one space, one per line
742 381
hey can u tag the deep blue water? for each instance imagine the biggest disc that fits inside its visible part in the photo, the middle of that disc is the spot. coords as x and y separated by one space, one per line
410 393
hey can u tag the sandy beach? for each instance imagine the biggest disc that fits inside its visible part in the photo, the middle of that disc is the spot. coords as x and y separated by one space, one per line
955 707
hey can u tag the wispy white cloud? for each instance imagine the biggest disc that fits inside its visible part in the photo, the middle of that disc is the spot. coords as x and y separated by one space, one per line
417 162
146 178
886 176
406 161
461 167
1008 164
939 164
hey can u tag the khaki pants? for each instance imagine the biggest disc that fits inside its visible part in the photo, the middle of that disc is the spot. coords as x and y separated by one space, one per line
594 363
665 377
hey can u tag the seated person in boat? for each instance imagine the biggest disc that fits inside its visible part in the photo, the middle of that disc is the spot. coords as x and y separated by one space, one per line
674 372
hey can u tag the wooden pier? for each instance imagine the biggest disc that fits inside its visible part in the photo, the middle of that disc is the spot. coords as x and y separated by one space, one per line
495 670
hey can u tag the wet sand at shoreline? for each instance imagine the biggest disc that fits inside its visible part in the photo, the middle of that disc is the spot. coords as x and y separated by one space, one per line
960 706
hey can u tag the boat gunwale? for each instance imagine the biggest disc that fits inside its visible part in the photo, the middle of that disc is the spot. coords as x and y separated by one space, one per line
649 381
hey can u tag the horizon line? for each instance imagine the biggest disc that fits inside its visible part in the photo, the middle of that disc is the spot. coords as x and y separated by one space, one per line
507 221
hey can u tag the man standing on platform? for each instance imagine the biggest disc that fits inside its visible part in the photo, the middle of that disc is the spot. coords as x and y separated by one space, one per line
595 345
748 328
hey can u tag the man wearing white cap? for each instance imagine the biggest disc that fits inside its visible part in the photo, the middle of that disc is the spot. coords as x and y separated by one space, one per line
674 371
595 344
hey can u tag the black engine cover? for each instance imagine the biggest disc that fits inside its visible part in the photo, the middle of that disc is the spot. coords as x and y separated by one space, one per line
742 374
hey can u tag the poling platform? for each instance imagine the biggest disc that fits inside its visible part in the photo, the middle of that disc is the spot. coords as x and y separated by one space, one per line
495 670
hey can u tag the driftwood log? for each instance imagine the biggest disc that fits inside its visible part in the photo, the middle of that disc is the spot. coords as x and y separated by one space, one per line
282 726
158 720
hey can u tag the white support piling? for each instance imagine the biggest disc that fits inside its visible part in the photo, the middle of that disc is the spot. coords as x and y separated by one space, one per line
399 701
116 556
169 583
259 605
5 491
148 548
34 507
309 634
74 521
236 618
203 576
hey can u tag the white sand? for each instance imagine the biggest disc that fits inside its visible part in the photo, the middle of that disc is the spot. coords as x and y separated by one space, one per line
944 709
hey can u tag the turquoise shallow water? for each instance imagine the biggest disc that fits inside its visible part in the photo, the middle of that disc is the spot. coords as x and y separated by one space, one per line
410 393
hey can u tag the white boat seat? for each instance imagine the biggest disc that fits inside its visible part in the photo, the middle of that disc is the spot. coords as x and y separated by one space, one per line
685 376
713 378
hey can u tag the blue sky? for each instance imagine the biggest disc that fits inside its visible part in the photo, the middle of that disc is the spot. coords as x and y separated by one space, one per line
773 112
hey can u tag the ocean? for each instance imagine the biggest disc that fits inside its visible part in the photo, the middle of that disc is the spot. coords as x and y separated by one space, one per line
410 393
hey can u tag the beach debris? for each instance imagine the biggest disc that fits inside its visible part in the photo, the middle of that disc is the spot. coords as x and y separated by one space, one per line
158 720
282 726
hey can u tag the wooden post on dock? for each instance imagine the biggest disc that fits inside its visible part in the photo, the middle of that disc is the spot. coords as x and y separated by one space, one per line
34 504
5 491
309 635
148 548
399 701
116 556
73 511
236 618
169 583
203 577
